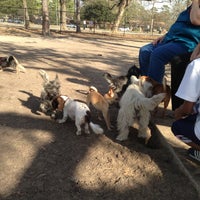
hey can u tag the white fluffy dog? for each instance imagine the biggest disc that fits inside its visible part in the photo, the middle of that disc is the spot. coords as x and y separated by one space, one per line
77 111
136 107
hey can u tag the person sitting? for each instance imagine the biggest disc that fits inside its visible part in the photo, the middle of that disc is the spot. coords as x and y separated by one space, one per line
186 127
182 37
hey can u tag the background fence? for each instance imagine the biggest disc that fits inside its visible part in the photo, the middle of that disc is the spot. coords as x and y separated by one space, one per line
16 16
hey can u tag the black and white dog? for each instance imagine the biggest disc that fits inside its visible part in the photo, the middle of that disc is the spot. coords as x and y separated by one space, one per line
120 83
76 111
11 62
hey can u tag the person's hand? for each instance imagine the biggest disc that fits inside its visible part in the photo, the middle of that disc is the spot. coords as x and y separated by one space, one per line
195 53
195 13
178 114
158 40
184 110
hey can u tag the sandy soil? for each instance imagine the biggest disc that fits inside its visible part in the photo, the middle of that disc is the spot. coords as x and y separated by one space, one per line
40 159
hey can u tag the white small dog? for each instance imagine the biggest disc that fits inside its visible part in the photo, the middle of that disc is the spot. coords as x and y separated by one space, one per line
136 107
77 111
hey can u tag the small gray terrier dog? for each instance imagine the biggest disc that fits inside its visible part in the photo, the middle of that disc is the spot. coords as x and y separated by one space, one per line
50 90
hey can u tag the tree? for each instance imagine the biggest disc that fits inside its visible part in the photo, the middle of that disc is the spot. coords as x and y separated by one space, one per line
10 7
78 17
121 9
98 12
45 18
135 15
63 15
27 19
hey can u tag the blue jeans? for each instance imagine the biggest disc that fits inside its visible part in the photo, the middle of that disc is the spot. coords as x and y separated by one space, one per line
153 58
185 127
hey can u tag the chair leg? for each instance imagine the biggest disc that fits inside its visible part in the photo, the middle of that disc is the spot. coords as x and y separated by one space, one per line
178 67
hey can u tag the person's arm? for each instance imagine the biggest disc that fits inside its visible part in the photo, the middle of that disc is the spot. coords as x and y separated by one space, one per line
184 110
195 53
195 12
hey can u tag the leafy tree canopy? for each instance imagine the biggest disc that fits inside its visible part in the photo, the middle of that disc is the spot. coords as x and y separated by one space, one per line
98 11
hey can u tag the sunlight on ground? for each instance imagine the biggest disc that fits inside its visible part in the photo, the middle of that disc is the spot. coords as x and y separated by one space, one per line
18 150
128 176
171 138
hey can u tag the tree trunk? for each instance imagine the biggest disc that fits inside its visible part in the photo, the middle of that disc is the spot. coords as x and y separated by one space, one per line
26 15
152 17
62 15
45 18
78 16
122 6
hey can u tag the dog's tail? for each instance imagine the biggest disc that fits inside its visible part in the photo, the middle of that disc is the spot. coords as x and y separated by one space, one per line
149 103
95 127
92 88
44 75
17 64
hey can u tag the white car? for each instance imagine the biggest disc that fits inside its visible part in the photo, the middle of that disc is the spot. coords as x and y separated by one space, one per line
71 25
124 29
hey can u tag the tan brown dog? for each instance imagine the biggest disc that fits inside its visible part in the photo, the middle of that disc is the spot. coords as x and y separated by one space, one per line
101 103
158 88
111 96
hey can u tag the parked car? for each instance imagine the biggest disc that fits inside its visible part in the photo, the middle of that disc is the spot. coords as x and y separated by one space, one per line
18 21
124 29
71 25
10 20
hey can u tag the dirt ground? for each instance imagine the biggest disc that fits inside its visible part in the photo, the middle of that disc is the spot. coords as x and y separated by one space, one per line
43 160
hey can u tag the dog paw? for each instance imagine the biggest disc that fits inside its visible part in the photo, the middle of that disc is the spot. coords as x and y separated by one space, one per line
121 137
87 132
60 121
78 132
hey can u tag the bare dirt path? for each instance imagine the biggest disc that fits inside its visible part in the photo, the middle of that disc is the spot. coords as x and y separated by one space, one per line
40 159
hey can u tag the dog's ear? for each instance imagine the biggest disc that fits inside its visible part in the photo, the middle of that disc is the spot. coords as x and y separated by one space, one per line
57 81
133 71
93 89
44 75
108 77
56 78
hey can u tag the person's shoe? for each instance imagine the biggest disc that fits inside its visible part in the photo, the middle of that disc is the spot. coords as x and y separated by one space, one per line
193 153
